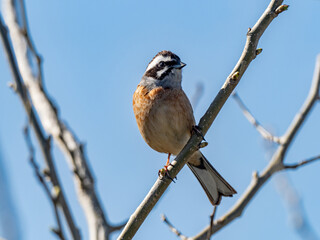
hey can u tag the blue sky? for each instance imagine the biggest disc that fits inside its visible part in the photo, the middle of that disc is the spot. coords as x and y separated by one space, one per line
94 56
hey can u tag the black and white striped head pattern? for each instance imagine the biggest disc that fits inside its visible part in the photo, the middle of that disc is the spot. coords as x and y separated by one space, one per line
163 70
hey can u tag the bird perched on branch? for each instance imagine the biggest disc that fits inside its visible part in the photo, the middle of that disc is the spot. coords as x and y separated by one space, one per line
165 119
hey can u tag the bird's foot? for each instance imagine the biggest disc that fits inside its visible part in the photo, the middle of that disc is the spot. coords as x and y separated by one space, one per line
197 130
164 173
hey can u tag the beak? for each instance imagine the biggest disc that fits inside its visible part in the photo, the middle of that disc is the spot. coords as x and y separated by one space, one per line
180 66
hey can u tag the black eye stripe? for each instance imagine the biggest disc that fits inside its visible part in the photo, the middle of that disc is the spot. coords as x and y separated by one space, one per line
164 74
153 72
171 63
168 63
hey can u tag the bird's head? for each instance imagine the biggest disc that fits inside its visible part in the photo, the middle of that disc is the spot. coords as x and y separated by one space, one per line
163 70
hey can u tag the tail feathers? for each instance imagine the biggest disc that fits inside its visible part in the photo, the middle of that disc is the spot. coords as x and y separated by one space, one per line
211 181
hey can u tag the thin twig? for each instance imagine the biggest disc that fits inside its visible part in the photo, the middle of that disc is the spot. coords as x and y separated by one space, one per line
212 221
248 54
59 230
172 228
43 141
99 227
263 132
276 164
307 161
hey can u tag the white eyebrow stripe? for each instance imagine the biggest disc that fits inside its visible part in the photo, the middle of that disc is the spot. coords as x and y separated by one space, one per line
157 60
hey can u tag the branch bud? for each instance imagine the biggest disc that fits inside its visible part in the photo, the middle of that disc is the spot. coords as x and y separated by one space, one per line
255 175
13 86
235 76
56 192
203 144
46 173
282 8
56 231
258 51
249 30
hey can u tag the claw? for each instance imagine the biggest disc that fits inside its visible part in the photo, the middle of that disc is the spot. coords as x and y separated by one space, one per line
197 130
163 172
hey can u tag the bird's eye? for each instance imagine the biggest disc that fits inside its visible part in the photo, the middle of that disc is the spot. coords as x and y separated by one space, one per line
161 64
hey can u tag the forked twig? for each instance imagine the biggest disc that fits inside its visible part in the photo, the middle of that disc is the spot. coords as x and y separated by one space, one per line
43 141
276 163
51 122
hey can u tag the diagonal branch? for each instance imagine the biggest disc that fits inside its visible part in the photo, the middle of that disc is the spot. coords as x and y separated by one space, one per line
263 132
276 164
43 141
285 189
99 227
249 53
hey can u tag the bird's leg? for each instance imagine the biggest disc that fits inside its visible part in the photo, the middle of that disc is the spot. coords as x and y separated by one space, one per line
164 171
168 162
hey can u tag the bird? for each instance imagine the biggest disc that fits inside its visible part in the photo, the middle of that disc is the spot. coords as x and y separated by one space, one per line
165 119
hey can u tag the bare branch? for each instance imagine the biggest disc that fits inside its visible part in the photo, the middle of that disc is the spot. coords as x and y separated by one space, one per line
43 141
59 230
276 163
291 199
263 132
306 108
48 114
248 54
172 228
302 163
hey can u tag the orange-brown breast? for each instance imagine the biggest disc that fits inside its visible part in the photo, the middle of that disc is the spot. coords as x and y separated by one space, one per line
164 117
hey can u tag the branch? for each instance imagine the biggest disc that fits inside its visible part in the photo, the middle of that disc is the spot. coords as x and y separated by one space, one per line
276 164
73 149
43 141
53 198
172 228
286 191
248 54
263 132
291 200
297 165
